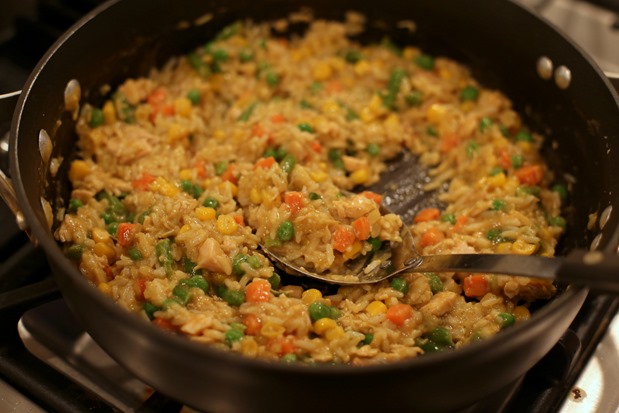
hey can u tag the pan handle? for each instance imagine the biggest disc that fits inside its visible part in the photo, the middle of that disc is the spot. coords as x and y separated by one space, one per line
8 102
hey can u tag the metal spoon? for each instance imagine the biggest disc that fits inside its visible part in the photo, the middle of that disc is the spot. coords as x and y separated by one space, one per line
593 269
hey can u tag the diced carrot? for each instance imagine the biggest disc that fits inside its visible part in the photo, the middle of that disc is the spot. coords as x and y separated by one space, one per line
143 182
460 221
295 201
316 146
257 130
140 287
253 324
265 163
167 109
504 159
361 226
333 86
475 285
449 141
342 238
229 176
287 346
258 291
201 169
399 313
427 214
239 219
125 234
431 236
279 118
165 324
373 196
109 272
530 174
157 97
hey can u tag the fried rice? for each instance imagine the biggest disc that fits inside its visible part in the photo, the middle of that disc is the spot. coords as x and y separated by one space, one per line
252 139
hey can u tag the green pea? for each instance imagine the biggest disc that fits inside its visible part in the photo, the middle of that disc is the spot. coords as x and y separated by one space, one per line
558 221
471 149
469 93
272 78
524 136
275 280
529 190
367 339
221 167
194 96
415 98
211 202
441 336
190 188
376 243
495 171
287 164
316 87
134 254
373 149
318 310
484 124
197 281
220 55
506 319
233 335
400 284
313 196
74 252
246 55
182 293
163 249
232 297
247 112
517 161
448 217
436 284
425 61
305 127
304 104
74 205
199 65
431 131
498 205
112 228
96 118
285 231
143 215
150 309
289 358
229 31
561 190
494 234
353 56
240 259
189 267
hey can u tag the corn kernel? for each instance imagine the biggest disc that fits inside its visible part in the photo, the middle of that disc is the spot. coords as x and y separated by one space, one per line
311 295
503 248
409 53
376 308
436 112
360 176
78 170
100 235
218 134
322 71
102 249
228 186
366 115
182 107
467 106
361 67
523 248
445 73
525 146
226 224
376 105
163 187
184 229
272 330
255 196
355 249
249 346
109 112
323 166
205 213
337 63
521 313
177 132
497 180
318 176
185 174
334 333
323 325
105 288
330 106
392 121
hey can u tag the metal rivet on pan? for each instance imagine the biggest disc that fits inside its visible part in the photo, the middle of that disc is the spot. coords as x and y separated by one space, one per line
605 216
45 146
596 242
72 96
592 258
544 67
563 77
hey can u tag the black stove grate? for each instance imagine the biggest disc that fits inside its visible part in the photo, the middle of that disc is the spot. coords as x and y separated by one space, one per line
26 281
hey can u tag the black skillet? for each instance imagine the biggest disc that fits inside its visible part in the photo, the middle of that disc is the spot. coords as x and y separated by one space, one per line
501 42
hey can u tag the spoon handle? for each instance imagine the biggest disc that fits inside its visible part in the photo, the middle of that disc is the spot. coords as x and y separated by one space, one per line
595 269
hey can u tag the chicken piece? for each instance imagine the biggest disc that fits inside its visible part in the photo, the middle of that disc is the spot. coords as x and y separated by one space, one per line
212 258
353 207
441 303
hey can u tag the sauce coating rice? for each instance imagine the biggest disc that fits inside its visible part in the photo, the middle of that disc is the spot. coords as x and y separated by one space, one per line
250 139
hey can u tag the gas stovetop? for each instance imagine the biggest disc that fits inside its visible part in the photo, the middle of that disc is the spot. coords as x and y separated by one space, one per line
48 363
